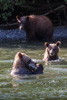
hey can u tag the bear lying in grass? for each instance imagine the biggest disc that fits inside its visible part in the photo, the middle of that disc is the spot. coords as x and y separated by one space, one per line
36 27
51 52
23 64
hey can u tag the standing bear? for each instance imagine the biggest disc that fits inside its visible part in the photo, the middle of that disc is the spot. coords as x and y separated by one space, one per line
51 52
23 64
36 27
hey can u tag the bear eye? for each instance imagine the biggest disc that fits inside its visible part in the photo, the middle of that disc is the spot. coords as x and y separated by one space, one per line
29 61
54 49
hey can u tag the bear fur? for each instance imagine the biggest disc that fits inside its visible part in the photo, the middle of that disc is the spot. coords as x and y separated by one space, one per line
51 52
23 64
36 27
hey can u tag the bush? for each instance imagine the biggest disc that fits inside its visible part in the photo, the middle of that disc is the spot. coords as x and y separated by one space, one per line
7 8
10 8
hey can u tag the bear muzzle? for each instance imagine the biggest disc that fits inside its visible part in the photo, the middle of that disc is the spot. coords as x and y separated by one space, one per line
20 27
51 53
32 67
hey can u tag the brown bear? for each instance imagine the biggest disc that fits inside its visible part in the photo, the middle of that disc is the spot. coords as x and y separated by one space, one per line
37 27
51 52
23 64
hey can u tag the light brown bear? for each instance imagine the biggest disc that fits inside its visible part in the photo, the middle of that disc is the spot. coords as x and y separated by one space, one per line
36 27
23 64
51 52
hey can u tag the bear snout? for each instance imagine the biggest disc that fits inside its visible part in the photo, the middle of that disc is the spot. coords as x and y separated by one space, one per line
51 53
32 67
20 27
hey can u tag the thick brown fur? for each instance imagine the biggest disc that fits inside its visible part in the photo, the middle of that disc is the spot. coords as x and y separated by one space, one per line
36 27
51 52
23 64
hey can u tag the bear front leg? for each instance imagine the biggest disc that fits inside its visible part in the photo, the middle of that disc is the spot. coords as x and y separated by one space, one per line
27 37
30 37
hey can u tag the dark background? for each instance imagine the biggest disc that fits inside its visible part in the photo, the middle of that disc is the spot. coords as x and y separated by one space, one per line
56 10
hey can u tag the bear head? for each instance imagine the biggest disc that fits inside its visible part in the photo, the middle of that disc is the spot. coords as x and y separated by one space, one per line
22 21
23 60
23 64
52 49
51 52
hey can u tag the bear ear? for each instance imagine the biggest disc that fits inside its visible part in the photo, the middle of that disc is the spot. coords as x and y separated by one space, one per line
20 55
46 44
18 19
58 43
27 18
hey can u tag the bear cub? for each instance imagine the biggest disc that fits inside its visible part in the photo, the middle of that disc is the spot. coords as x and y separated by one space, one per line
23 64
51 52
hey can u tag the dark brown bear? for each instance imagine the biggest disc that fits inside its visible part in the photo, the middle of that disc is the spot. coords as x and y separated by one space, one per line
23 64
51 52
36 27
